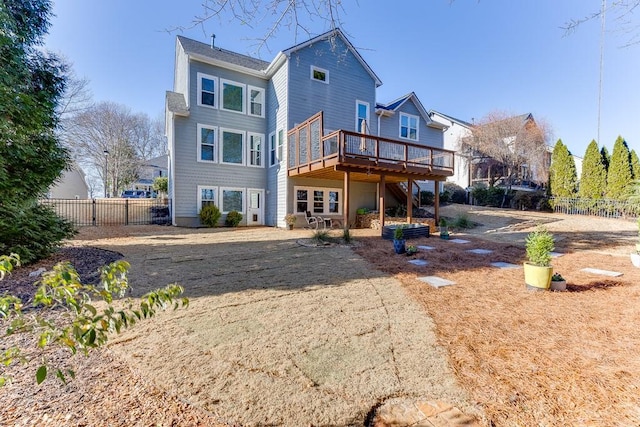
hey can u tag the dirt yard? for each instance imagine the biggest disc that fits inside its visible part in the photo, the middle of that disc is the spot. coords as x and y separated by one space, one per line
284 334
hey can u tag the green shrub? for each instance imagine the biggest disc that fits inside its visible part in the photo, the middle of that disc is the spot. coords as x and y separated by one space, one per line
463 221
539 244
426 198
457 194
346 235
321 236
32 231
445 197
233 219
210 215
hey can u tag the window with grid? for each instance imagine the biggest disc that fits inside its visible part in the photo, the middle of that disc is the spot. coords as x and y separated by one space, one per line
207 86
206 196
255 149
206 143
272 149
256 101
409 126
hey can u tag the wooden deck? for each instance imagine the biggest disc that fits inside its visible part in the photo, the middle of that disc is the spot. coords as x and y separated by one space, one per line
366 157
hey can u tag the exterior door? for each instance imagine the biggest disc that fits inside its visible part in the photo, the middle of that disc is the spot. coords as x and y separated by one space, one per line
255 208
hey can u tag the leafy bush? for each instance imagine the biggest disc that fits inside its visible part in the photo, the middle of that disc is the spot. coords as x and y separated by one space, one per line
31 230
527 199
233 219
210 215
491 196
457 194
426 198
78 325
161 184
445 197
539 244
398 232
463 221
321 236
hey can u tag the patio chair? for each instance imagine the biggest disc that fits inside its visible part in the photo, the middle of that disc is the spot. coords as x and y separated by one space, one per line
313 221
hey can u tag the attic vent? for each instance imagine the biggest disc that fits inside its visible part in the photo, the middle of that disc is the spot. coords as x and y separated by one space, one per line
213 41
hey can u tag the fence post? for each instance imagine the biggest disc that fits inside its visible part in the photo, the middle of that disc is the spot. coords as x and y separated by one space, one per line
126 211
93 211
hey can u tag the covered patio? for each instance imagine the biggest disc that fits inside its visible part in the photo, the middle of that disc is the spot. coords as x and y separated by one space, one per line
352 156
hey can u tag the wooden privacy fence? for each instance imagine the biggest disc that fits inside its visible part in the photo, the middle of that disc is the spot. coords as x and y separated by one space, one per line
596 207
83 212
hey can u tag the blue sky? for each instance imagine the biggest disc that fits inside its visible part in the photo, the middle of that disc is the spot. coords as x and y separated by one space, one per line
464 58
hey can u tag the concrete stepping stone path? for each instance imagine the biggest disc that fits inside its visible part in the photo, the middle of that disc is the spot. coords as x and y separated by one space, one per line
505 265
426 248
419 262
436 282
480 251
458 241
602 272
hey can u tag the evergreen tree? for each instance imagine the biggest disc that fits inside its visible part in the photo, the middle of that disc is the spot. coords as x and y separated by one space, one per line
31 83
605 158
635 165
619 178
593 180
562 172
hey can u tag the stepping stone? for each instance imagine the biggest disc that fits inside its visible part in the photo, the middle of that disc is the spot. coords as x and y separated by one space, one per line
436 282
505 265
555 254
480 251
419 262
602 272
426 248
458 241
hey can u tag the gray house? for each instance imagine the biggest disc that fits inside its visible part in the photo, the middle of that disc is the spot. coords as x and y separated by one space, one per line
302 133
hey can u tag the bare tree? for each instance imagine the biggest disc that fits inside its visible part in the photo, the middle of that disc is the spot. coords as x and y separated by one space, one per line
112 141
621 13
295 15
506 144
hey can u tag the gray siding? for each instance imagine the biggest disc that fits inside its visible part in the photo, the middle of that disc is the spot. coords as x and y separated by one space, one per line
189 172
348 81
277 106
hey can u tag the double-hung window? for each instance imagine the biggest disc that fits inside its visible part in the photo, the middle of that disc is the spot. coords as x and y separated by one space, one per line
280 145
255 149
409 126
362 117
256 101
233 96
207 136
207 90
232 146
207 196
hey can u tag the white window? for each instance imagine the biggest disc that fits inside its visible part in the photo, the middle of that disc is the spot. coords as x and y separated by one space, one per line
232 199
207 136
319 74
256 101
272 149
207 90
409 126
207 196
255 149
321 201
233 96
280 145
232 144
362 115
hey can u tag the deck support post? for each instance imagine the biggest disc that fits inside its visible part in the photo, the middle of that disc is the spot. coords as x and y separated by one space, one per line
345 202
436 201
409 200
382 189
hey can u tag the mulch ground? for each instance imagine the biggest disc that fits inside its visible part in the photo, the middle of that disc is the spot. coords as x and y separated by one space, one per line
531 358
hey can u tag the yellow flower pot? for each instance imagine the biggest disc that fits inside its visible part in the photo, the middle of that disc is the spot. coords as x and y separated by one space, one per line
536 277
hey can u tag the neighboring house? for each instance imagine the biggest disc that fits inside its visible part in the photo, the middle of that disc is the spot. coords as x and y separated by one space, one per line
71 185
456 130
149 171
300 133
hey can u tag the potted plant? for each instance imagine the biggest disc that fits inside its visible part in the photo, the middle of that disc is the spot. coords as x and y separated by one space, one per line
398 239
290 219
444 229
558 283
635 256
411 250
538 270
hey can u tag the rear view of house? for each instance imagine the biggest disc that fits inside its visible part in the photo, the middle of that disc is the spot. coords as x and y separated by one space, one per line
302 133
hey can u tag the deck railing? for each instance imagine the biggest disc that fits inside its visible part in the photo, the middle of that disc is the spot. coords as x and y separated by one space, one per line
308 147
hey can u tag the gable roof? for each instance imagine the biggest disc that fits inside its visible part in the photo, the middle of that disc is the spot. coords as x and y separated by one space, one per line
335 33
451 118
394 105
203 50
176 103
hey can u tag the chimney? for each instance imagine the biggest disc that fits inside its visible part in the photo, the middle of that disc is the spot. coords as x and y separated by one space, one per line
213 41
